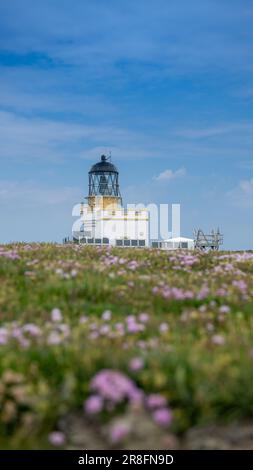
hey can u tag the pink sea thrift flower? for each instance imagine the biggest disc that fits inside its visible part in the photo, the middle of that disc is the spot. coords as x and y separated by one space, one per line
113 386
241 285
106 316
56 315
164 327
83 319
57 438
203 293
104 330
32 329
222 292
218 339
94 335
136 364
162 416
144 317
224 309
118 432
131 318
119 326
134 327
93 404
155 400
54 338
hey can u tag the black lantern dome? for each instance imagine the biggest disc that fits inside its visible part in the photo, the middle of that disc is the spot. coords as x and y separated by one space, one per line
104 179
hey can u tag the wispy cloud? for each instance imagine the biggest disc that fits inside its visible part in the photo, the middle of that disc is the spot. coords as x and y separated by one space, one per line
29 194
215 131
242 194
47 139
168 175
100 37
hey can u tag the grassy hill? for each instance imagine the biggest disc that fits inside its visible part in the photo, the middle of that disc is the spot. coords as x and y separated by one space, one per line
92 338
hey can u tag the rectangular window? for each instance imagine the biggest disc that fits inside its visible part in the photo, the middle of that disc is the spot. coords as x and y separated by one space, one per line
106 241
184 244
90 240
142 243
126 242
98 241
134 242
119 242
155 245
169 245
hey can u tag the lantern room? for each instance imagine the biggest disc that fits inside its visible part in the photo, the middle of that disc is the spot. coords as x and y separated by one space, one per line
104 184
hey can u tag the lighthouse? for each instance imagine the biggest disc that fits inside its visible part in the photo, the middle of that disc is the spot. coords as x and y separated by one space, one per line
103 219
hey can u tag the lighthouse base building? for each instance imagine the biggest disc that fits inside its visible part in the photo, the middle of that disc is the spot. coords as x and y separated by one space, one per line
103 219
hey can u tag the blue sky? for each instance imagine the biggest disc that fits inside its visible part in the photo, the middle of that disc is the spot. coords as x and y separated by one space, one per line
165 85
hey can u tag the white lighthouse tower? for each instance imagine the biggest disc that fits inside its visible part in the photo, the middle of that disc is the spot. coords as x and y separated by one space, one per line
104 221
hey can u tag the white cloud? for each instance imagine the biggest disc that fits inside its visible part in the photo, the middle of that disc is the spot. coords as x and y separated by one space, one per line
28 194
214 131
168 175
29 137
195 36
242 194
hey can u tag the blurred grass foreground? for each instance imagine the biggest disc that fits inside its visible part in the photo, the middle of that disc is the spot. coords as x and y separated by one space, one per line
122 348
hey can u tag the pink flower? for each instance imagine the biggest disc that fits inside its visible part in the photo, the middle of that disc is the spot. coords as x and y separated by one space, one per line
104 330
134 327
130 318
83 319
118 432
93 404
241 285
218 339
57 438
107 315
224 309
56 315
54 338
119 327
113 386
203 293
210 327
162 416
136 364
133 265
144 317
94 335
32 329
222 292
163 328
154 400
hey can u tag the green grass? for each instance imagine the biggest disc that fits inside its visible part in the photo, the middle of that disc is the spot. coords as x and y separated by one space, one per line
202 364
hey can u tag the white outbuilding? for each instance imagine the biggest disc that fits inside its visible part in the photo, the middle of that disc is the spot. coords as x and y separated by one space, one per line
174 244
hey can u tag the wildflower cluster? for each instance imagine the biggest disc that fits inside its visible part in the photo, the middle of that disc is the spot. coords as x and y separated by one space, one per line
108 333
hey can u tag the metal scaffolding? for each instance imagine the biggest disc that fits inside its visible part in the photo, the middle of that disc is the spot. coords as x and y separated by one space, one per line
207 242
